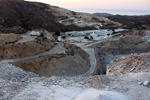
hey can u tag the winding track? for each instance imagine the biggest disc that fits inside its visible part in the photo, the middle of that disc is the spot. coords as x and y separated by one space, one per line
92 58
87 47
59 49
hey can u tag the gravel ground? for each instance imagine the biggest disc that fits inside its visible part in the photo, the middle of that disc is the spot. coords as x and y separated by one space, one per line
16 84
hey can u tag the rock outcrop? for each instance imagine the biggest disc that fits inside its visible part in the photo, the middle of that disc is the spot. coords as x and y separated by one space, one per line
43 56
9 38
11 49
127 43
71 63
133 63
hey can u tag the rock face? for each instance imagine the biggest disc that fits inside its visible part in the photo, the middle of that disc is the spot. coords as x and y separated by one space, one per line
130 42
71 63
9 38
41 55
11 49
134 63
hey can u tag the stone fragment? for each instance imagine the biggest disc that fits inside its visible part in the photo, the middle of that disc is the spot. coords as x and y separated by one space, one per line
139 83
146 83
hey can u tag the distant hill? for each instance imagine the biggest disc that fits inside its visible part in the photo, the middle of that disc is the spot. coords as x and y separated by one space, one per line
103 14
132 21
142 21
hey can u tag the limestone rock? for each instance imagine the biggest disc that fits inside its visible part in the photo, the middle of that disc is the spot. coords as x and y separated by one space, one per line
133 63
139 83
146 83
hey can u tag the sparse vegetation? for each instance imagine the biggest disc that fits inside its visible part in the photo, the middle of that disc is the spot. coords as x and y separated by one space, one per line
63 37
57 33
86 37
108 34
114 32
42 35
91 37
132 21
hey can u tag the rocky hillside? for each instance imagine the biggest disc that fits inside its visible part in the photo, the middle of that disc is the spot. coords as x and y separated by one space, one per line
43 56
45 63
134 41
12 47
132 21
18 16
69 60
103 14
134 63
139 22
22 15
67 17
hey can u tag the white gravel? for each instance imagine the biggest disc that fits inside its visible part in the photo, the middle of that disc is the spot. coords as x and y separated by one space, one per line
14 74
16 84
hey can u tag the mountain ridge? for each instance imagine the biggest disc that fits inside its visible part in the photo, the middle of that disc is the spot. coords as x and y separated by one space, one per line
103 14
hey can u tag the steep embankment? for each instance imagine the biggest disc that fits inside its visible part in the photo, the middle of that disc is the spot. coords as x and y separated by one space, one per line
135 41
95 65
123 44
134 63
42 56
71 61
10 48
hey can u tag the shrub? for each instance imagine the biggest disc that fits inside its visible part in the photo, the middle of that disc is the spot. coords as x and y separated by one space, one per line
57 33
63 37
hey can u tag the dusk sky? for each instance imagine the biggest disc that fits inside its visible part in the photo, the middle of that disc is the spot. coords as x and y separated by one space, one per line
91 5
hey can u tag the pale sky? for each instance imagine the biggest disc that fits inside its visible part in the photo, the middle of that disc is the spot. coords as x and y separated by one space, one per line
103 4
100 4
